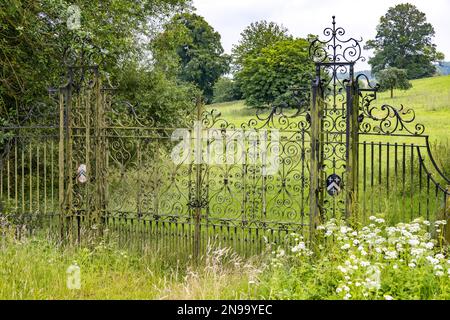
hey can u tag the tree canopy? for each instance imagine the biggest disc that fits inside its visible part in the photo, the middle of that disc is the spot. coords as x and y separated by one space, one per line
197 47
404 41
257 36
393 78
269 77
35 35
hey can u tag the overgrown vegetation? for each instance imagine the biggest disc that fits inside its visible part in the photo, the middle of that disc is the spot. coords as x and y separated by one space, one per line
372 262
271 76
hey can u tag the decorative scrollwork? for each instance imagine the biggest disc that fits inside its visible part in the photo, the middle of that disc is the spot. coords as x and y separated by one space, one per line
334 48
389 120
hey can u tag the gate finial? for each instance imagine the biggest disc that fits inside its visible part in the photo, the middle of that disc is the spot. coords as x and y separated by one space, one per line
334 48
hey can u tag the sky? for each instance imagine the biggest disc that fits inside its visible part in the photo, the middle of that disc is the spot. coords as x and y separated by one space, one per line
358 17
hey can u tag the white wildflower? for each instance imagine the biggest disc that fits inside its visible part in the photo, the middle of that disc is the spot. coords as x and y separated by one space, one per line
440 256
342 269
365 263
390 255
429 245
432 260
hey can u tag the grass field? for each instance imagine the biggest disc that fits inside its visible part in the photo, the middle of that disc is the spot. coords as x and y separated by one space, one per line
373 263
430 99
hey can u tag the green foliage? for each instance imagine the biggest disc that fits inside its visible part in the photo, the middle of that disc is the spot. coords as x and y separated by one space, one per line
34 38
377 261
189 39
393 78
226 90
35 268
404 40
373 262
269 76
155 95
441 153
257 36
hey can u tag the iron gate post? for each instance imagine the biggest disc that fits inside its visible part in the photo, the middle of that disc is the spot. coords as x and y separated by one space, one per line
61 154
316 125
100 154
198 178
352 143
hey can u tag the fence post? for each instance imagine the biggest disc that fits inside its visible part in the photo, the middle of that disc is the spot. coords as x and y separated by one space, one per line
198 176
61 176
100 154
314 191
352 138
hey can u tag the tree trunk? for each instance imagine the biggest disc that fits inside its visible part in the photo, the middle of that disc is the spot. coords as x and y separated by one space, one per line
392 92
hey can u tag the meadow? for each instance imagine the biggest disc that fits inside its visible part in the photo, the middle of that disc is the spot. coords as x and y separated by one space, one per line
429 97
375 261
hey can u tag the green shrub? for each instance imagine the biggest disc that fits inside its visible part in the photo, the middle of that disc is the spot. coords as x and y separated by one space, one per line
226 90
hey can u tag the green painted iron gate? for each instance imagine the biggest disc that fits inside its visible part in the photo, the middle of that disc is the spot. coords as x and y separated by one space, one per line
92 165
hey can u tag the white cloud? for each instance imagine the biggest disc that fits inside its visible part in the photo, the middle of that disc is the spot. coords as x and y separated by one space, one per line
301 17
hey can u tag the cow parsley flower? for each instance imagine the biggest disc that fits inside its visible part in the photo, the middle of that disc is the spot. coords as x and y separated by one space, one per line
429 245
432 260
365 263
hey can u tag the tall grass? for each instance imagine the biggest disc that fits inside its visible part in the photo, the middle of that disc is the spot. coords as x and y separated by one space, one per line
373 262
35 268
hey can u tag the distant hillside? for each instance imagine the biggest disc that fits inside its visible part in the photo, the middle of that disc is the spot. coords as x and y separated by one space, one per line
444 68
368 74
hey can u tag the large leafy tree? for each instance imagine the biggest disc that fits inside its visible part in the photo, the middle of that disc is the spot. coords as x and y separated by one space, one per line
404 40
270 76
257 36
34 36
393 78
198 49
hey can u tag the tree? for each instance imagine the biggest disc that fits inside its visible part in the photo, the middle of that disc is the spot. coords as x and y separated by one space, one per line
225 90
393 78
35 35
198 49
155 95
268 77
257 36
404 40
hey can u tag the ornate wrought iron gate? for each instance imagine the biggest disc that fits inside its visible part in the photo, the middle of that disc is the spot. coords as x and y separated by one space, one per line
98 165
